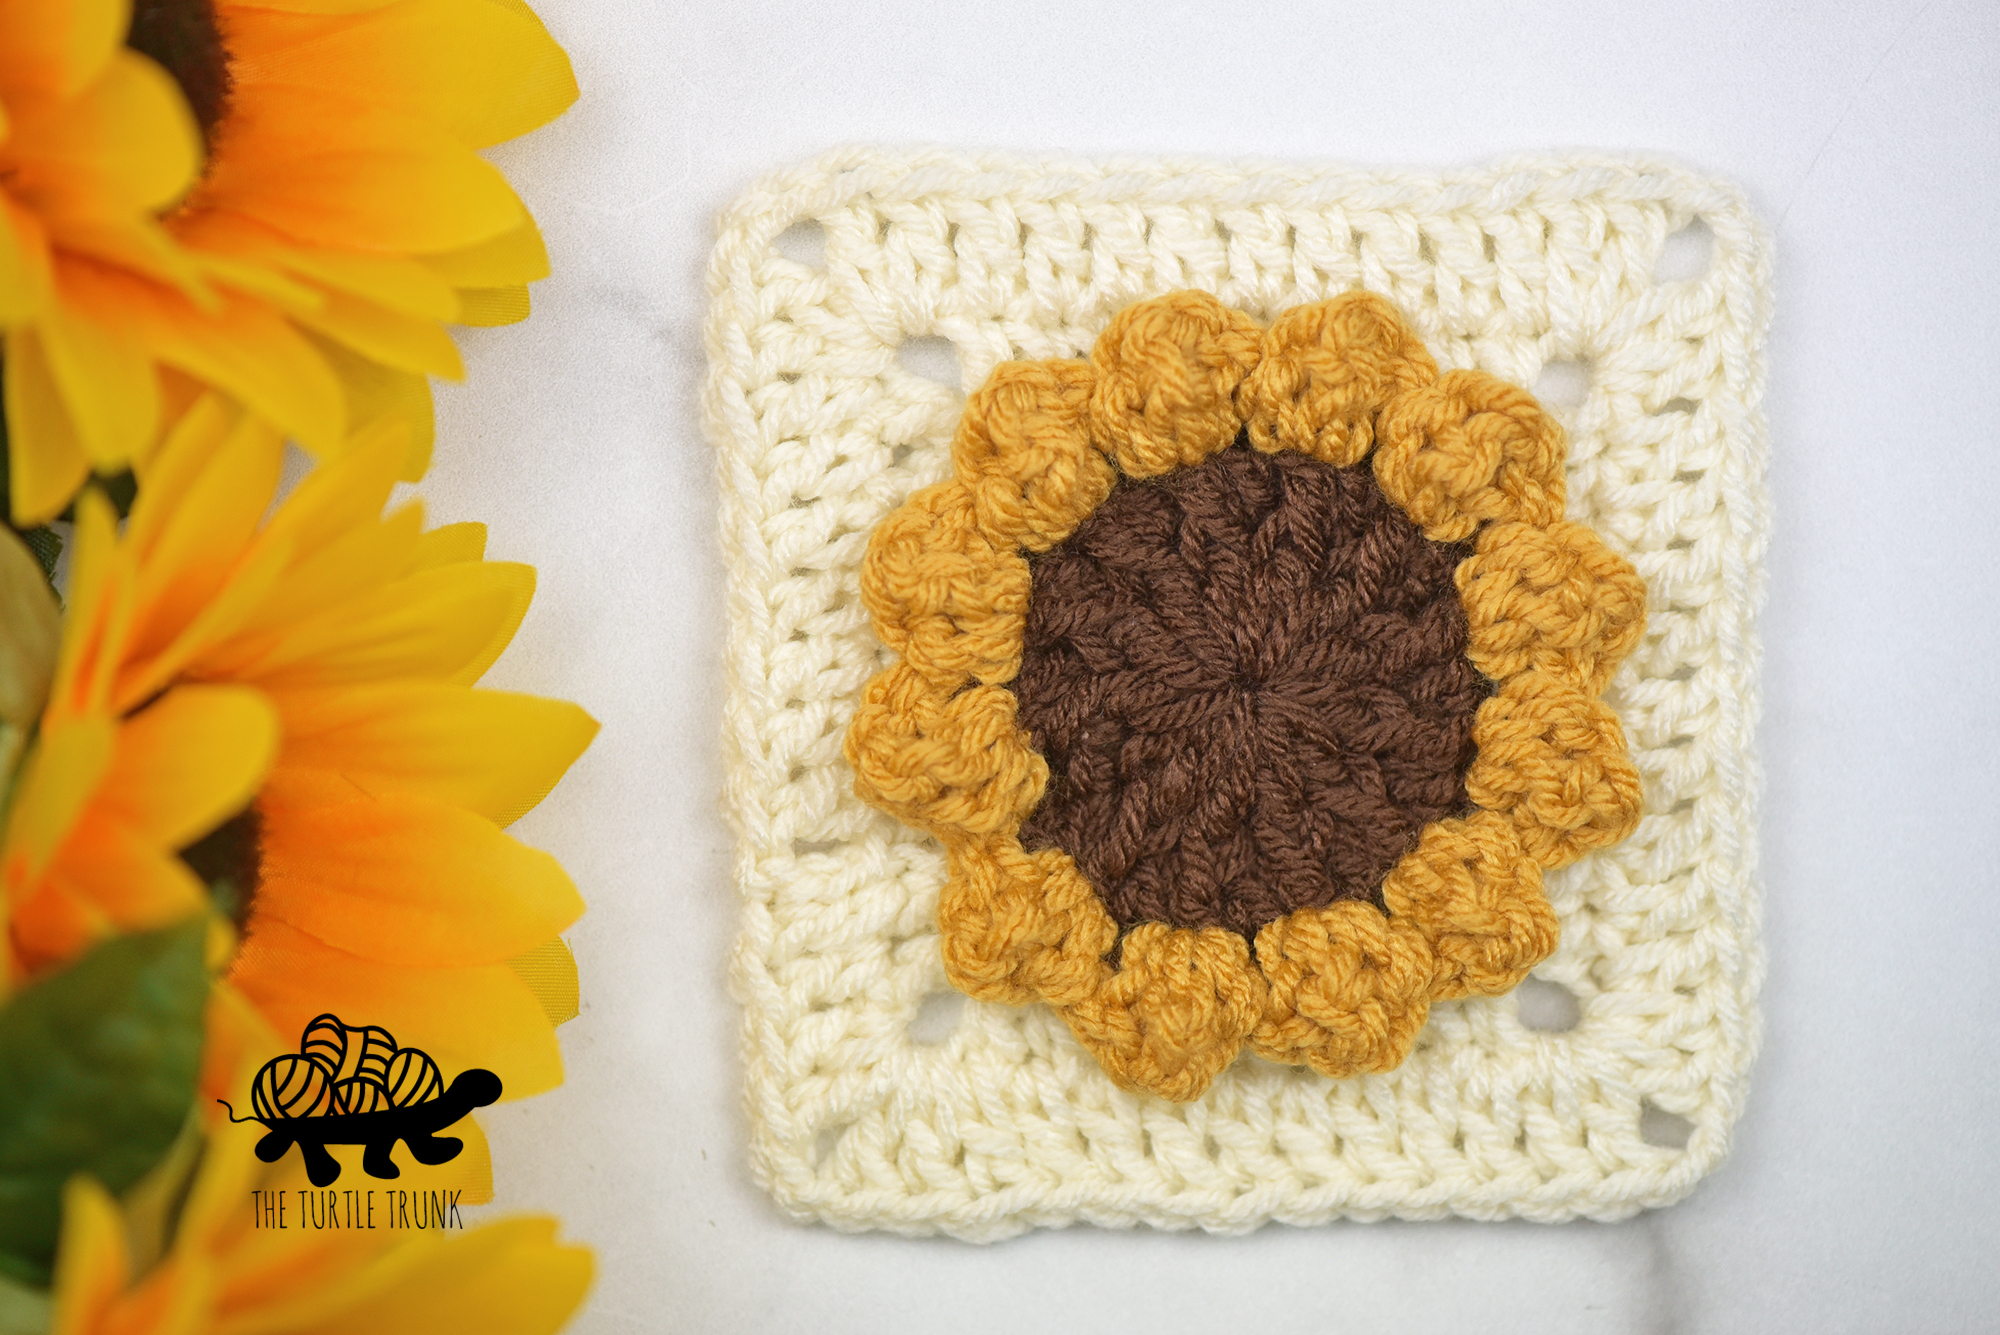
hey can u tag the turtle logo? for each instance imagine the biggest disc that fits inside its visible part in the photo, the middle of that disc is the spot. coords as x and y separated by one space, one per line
353 1086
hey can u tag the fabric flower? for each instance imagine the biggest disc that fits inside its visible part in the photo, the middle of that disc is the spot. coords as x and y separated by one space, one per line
223 1273
279 198
288 704
1248 677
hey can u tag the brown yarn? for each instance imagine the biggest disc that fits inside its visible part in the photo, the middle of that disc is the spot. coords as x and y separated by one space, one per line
1249 680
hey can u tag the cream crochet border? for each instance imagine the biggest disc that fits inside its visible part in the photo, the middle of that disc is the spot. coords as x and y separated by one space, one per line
1005 1123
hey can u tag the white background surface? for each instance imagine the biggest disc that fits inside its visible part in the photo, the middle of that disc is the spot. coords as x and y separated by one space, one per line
1864 1190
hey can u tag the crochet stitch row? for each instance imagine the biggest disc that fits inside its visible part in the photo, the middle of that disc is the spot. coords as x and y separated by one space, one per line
1343 987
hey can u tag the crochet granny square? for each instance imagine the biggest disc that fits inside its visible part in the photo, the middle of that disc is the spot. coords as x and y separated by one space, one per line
843 294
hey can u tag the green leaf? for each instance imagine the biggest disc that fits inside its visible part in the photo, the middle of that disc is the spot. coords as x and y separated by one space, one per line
97 1073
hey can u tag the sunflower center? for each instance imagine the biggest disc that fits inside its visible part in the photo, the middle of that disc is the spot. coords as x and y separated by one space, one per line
1249 680
229 860
184 37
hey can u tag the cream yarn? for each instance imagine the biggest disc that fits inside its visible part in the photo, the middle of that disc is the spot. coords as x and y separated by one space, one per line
1000 1123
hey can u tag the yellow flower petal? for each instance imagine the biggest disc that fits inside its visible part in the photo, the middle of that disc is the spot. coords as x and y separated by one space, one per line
189 761
485 306
482 1016
403 342
352 566
381 396
108 878
201 504
127 146
491 752
550 973
384 182
410 880
436 625
110 395
398 282
451 544
512 257
63 771
338 496
95 630
482 72
25 274
508 1278
57 49
243 348
45 453
92 1264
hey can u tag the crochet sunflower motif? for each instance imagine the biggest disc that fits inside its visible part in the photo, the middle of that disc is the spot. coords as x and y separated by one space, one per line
1249 678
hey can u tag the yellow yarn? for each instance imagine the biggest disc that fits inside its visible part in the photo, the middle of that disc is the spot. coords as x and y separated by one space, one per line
1467 449
1476 895
1017 926
1349 989
944 594
1327 370
1551 611
948 764
1553 598
1023 451
1167 374
1553 760
1176 1011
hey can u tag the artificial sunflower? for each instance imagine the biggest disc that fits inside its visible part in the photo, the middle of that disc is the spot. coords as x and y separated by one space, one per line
1249 677
224 1267
362 845
278 198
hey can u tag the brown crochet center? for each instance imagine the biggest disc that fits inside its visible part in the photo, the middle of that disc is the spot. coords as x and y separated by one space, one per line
1249 680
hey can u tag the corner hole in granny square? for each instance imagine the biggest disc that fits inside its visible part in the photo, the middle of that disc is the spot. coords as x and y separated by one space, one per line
804 242
1563 384
1657 1126
1685 255
937 1016
1547 1007
827 1141
931 357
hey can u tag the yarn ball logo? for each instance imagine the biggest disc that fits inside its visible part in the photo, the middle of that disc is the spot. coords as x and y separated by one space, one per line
351 1085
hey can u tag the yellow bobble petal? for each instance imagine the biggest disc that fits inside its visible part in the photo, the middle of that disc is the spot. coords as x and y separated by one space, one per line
1175 1012
1167 373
